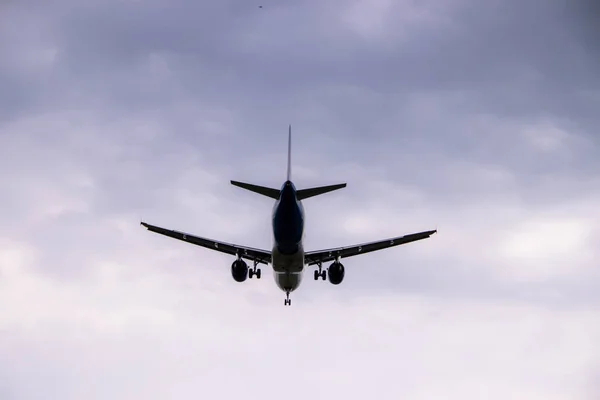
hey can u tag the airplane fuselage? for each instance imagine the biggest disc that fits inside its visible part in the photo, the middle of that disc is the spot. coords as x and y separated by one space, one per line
288 234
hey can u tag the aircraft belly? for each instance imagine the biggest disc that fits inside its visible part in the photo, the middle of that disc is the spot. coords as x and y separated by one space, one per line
288 281
288 263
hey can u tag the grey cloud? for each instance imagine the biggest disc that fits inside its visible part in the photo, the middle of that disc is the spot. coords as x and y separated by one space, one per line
115 32
25 57
282 65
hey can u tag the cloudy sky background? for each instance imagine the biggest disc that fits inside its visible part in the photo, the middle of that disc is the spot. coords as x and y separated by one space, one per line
478 118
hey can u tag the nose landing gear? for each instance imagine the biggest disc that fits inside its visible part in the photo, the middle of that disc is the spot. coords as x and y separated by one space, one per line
287 301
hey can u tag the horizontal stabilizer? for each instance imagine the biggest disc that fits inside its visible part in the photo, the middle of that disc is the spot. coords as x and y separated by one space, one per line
315 191
265 191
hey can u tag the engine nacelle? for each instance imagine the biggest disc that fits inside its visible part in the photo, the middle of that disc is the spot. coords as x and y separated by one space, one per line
335 273
239 270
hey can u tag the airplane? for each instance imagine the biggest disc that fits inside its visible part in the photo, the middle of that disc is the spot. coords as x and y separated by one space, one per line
287 257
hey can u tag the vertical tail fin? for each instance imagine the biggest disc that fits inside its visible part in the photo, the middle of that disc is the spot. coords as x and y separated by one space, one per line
289 166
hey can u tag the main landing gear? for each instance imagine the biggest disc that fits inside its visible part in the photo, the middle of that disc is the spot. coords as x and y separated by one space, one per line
287 301
254 271
320 273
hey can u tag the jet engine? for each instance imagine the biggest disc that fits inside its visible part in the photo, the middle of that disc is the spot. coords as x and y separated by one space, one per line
335 273
239 270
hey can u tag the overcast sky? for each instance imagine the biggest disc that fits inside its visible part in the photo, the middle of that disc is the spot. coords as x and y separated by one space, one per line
478 118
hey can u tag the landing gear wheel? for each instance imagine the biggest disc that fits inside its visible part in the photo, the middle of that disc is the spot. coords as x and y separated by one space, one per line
254 272
320 273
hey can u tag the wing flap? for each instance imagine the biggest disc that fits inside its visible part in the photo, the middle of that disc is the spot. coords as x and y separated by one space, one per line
249 253
314 257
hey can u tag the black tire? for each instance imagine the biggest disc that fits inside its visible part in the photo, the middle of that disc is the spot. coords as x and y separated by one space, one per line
324 275
316 275
258 273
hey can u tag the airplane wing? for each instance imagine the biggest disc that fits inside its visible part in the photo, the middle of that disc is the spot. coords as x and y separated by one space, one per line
258 255
315 257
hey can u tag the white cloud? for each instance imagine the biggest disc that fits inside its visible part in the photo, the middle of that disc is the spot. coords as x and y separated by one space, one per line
151 335
368 20
392 22
547 138
548 246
